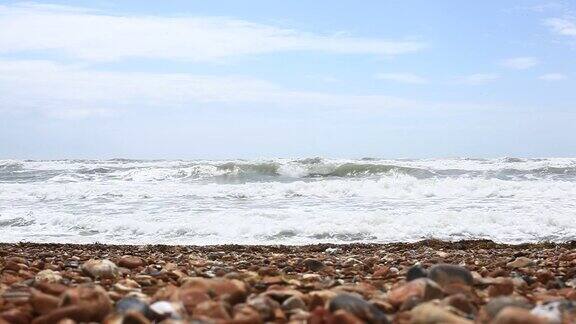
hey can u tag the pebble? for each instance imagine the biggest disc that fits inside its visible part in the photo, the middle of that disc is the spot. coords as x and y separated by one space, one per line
520 262
416 272
49 276
43 303
104 269
429 313
164 309
502 287
462 303
422 288
213 310
496 305
332 251
516 315
131 304
130 262
448 274
313 264
85 303
241 284
553 311
293 303
230 290
357 307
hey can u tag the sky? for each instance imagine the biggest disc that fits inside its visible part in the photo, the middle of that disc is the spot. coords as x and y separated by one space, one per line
264 78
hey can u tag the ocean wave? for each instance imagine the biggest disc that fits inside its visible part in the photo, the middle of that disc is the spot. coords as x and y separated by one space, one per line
10 165
239 171
290 201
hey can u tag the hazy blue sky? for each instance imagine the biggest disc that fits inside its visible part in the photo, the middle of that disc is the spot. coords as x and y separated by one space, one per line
224 79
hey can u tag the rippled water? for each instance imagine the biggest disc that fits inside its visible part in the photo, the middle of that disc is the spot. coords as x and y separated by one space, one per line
287 201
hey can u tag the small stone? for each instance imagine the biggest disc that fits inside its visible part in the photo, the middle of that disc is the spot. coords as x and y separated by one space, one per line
131 317
126 286
231 290
343 317
15 316
191 297
130 262
320 298
55 289
357 307
246 314
281 295
517 315
43 303
131 304
520 262
71 321
213 310
48 276
497 304
265 306
71 263
410 303
332 251
293 303
105 269
448 274
442 254
85 303
544 276
552 311
423 288
416 272
429 313
313 264
164 309
503 287
460 302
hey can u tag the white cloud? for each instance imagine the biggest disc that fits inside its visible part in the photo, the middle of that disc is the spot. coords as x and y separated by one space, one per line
562 26
553 77
520 63
479 78
96 36
60 89
402 78
73 91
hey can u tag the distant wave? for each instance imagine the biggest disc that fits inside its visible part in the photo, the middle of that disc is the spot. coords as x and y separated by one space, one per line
281 169
7 165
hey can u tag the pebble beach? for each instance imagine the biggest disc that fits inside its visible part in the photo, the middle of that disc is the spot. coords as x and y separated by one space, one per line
424 282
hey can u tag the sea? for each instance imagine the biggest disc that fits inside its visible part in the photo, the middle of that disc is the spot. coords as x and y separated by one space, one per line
287 201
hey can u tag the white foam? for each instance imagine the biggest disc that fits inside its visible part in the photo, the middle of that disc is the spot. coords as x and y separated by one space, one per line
178 202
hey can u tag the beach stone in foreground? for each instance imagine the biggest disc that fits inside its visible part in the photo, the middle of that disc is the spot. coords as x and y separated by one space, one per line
516 315
423 289
430 313
100 268
258 284
130 262
357 307
449 274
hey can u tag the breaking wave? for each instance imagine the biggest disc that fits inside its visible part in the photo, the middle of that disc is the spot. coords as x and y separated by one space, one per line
280 169
290 201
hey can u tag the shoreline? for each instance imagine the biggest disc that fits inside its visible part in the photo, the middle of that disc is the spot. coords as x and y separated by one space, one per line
459 282
432 243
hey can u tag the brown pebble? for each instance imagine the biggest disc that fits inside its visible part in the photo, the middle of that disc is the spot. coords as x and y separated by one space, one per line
423 288
130 262
516 315
212 309
503 287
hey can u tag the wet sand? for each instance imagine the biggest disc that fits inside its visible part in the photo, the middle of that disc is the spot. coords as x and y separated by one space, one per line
325 283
